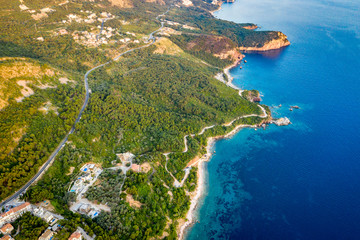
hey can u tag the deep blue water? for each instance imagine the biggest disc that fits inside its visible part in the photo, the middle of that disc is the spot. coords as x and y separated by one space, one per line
301 181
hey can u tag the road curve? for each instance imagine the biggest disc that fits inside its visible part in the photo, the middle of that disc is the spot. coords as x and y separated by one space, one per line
187 170
87 96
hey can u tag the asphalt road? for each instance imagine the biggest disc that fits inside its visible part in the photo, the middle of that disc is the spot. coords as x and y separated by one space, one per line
87 96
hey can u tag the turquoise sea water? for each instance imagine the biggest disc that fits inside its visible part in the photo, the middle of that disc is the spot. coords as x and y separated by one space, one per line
300 181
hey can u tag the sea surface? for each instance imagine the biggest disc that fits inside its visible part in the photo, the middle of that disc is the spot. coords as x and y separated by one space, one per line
300 181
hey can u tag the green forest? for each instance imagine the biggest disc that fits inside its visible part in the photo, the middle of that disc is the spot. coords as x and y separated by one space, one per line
144 103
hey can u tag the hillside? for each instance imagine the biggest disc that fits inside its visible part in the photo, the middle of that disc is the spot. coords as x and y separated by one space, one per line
39 104
150 103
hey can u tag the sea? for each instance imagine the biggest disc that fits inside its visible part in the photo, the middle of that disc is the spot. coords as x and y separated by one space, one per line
300 181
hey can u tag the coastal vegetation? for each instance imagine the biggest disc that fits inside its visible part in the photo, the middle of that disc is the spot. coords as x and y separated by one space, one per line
205 23
143 103
251 95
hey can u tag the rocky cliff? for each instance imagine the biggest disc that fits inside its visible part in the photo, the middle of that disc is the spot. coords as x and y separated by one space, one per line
251 27
251 95
232 54
276 43
219 46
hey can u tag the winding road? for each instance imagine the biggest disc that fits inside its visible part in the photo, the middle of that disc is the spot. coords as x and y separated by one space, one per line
51 159
187 169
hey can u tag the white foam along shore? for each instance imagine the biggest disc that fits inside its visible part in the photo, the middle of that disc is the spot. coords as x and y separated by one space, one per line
195 197
231 78
198 192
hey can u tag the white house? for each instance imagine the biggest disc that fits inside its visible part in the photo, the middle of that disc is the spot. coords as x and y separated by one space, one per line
14 213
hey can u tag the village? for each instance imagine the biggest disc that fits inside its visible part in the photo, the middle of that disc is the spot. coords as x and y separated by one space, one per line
13 212
96 35
88 175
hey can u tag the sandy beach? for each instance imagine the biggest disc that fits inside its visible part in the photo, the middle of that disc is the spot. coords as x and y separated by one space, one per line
198 193
195 197
231 78
186 223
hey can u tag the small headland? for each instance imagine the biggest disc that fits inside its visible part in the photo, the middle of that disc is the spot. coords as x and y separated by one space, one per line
273 41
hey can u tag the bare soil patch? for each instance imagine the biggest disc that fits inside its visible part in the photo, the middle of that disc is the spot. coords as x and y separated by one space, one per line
132 202
25 90
122 3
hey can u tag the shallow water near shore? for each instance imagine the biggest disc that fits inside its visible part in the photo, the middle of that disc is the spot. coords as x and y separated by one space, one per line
301 181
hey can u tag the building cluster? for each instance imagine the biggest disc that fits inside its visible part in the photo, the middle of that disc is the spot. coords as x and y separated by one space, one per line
91 18
171 23
106 33
48 235
87 209
89 174
88 38
92 38
6 231
97 35
87 177
125 40
10 215
45 215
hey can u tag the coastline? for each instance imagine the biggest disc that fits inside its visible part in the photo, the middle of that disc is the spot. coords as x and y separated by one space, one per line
252 26
231 78
219 8
186 224
200 188
199 192
284 68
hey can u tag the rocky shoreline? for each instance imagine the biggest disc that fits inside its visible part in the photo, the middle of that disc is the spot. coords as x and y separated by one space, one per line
280 42
195 197
198 193
274 44
200 189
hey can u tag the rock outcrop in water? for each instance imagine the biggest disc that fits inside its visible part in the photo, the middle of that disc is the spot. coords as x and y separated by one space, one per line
251 27
282 121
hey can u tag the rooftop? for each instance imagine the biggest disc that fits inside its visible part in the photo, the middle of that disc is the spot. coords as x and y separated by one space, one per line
46 234
6 237
75 235
6 228
14 210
